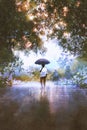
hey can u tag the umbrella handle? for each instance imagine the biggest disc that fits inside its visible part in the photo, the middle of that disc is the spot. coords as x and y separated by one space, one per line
41 69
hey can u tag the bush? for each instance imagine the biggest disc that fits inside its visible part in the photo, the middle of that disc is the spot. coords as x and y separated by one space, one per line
22 78
3 82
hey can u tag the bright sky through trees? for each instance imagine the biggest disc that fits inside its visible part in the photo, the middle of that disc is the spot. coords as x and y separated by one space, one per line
53 53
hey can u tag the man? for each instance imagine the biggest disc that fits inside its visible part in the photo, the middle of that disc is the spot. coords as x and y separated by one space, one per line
43 75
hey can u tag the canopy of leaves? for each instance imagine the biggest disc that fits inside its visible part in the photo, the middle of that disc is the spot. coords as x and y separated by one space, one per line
15 32
24 22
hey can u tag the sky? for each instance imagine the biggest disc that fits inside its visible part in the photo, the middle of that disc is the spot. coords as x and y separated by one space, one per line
53 54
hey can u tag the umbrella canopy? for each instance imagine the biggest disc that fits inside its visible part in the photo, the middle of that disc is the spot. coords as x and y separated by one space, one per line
42 61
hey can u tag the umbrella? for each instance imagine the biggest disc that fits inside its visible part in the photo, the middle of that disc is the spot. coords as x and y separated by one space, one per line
42 61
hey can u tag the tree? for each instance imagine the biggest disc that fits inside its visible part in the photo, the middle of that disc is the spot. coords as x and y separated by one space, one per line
15 33
24 22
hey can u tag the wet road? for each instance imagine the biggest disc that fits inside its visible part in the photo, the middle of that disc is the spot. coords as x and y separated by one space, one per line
28 107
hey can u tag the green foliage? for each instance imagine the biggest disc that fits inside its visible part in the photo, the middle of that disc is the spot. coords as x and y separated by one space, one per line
36 75
14 25
3 82
80 77
57 17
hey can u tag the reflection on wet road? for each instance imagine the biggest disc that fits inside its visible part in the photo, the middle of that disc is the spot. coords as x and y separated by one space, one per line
28 107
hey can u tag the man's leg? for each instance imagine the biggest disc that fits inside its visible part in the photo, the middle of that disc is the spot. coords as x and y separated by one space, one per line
44 82
41 81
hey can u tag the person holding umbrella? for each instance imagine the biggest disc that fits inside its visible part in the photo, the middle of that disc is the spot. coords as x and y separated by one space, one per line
43 76
43 71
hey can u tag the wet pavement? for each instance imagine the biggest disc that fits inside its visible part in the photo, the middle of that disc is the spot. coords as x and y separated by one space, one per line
26 106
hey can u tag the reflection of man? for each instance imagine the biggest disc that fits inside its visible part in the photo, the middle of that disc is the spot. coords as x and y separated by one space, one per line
43 75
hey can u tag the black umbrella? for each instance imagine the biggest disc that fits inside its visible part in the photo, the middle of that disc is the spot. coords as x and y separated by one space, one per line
42 61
